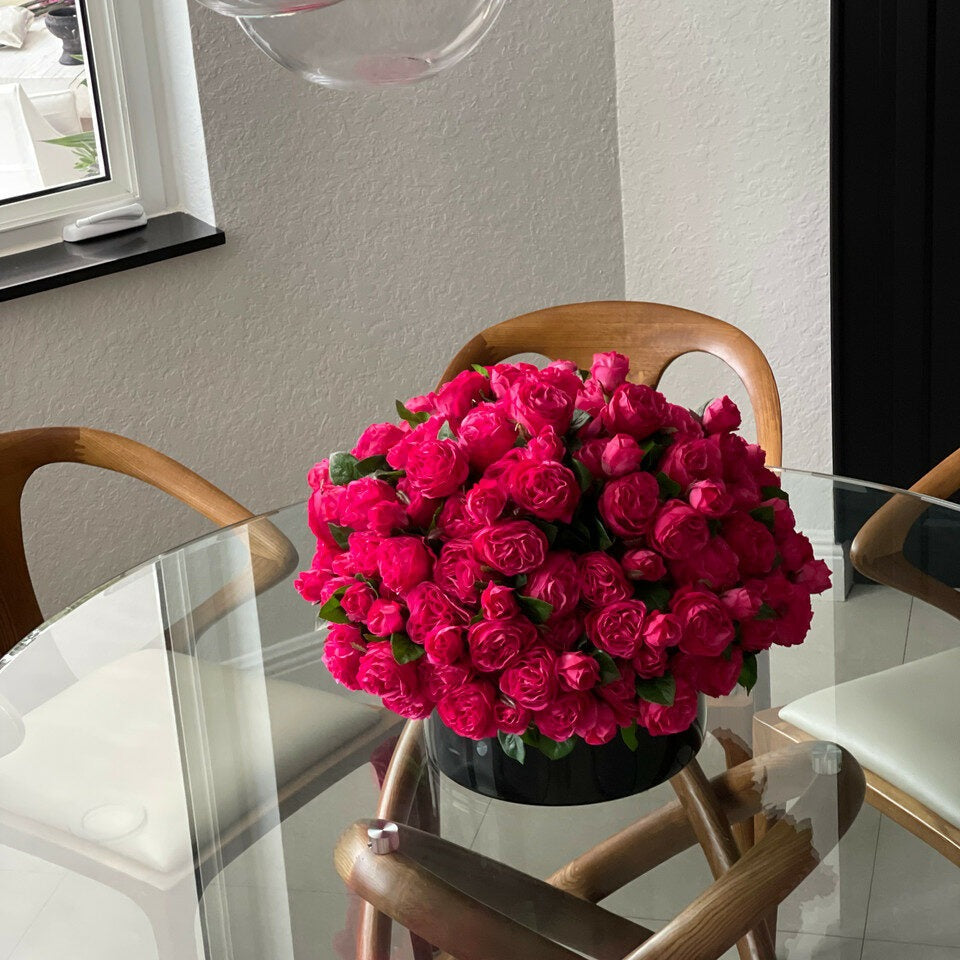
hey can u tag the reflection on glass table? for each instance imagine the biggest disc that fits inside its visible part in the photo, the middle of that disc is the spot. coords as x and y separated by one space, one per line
178 770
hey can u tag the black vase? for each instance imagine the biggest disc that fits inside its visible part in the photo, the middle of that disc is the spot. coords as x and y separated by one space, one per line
62 23
586 775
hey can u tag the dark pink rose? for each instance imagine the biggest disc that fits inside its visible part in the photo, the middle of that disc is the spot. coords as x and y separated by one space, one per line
564 376
385 617
687 461
558 718
333 585
310 585
742 603
577 671
650 662
707 627
536 404
795 550
715 566
714 676
512 547
495 644
485 502
591 456
610 369
557 582
636 409
710 498
591 398
364 553
791 604
499 471
420 509
412 706
504 376
628 503
486 434
684 424
342 650
621 455
814 576
453 521
547 489
361 498
497 602
380 675
618 627
784 521
468 711
563 633
621 695
385 517
597 722
430 608
444 644
678 530
752 542
437 467
643 565
546 445
602 579
404 563
510 718
661 720
319 474
427 403
455 399
662 630
531 681
376 440
323 508
357 600
721 416
457 571
438 679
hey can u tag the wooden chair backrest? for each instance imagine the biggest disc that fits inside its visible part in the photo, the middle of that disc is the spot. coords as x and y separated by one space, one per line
24 451
877 549
652 335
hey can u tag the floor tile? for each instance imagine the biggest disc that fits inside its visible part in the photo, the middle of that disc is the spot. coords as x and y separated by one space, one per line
916 892
930 631
84 920
22 898
20 862
890 950
811 946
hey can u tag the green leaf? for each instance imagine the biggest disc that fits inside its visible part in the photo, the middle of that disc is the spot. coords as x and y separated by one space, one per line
580 419
582 473
370 465
658 690
769 493
550 530
604 540
669 488
629 736
520 581
343 468
766 613
537 610
404 649
414 419
655 595
446 432
653 451
340 535
481 369
748 673
608 668
554 750
331 611
764 515
513 745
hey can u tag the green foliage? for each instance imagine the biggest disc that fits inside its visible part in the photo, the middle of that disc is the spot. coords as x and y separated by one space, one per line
404 649
660 690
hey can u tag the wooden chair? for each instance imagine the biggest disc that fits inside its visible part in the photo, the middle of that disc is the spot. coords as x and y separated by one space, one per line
464 903
167 862
912 767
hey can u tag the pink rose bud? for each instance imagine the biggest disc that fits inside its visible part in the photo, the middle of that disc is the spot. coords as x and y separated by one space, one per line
742 603
814 576
342 651
455 399
752 542
356 601
310 585
591 399
510 718
577 671
597 722
650 662
721 416
621 455
662 630
546 445
661 720
636 409
643 565
384 617
628 503
591 456
486 434
497 602
404 562
710 498
714 676
377 439
444 644
609 369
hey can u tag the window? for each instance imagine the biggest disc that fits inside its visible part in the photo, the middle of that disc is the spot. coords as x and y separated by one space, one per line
82 112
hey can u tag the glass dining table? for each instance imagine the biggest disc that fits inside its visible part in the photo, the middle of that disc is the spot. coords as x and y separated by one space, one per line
180 777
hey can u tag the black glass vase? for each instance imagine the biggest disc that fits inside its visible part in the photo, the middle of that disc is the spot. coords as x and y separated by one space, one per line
586 775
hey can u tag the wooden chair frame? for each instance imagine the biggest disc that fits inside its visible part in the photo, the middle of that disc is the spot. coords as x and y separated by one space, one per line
461 902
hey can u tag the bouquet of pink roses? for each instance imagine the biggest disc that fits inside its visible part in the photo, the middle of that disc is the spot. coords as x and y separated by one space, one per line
551 554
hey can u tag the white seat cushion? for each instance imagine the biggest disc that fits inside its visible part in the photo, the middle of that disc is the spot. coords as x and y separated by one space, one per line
102 759
900 723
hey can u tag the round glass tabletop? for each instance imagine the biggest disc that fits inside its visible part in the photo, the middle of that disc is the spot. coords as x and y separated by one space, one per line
181 777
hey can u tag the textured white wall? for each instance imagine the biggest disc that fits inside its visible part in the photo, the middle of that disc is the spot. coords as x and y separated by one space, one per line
723 116
368 237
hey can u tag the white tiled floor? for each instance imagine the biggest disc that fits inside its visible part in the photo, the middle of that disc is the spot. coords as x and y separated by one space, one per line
882 895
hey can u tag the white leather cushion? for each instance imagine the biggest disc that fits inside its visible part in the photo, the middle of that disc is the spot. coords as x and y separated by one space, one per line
901 724
101 760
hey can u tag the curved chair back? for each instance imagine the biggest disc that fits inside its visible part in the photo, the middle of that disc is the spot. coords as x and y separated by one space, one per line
653 335
24 451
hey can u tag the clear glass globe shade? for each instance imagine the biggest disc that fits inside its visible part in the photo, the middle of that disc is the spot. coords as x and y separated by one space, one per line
264 8
369 43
